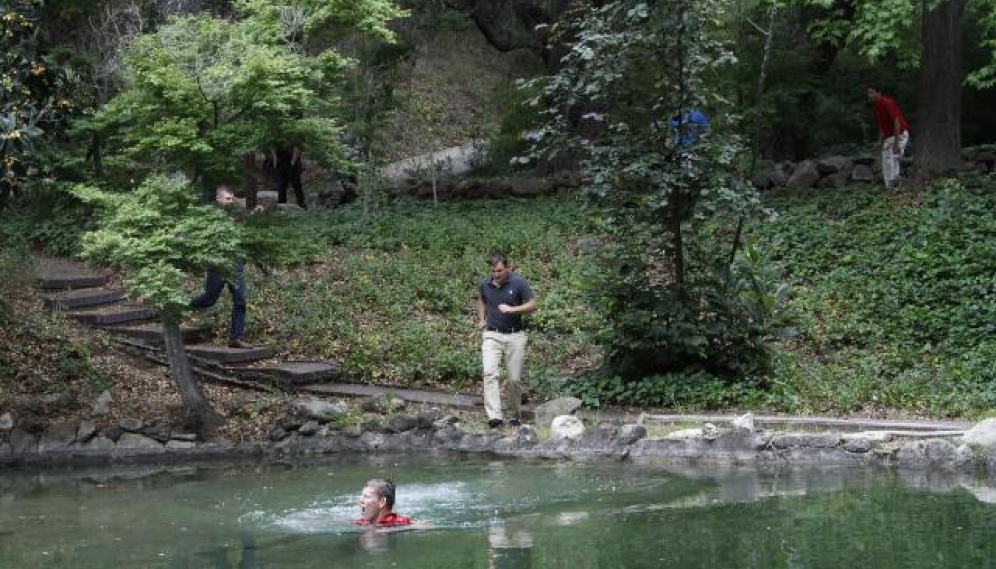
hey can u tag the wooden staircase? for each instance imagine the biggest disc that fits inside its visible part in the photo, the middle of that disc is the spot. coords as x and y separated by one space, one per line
87 296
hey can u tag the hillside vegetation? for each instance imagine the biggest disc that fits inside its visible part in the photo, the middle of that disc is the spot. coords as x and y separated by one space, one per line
891 306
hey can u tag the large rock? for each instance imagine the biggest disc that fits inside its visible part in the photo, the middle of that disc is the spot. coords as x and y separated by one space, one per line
134 443
319 409
805 176
57 438
982 434
6 422
833 165
566 427
102 406
545 413
862 173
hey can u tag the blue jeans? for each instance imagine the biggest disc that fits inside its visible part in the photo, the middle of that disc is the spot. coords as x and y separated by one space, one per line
213 285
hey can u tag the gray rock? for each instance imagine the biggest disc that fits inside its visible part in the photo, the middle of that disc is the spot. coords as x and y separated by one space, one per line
545 413
629 434
87 431
445 422
941 452
710 432
780 174
308 429
527 435
102 406
599 437
267 199
98 445
964 456
804 176
57 438
566 427
862 173
858 444
744 422
819 440
401 424
833 165
911 454
131 425
318 409
278 434
684 435
428 419
113 432
176 445
6 422
382 404
22 442
58 399
138 444
982 433
159 432
836 180
186 437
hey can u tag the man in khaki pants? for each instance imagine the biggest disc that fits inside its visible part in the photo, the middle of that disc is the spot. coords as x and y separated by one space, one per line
503 298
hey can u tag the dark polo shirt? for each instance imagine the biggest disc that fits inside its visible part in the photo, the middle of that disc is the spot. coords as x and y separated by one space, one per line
514 292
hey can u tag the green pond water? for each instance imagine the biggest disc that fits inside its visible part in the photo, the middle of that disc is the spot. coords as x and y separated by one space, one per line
494 513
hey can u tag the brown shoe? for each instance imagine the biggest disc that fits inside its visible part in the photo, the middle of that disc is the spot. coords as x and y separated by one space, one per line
239 344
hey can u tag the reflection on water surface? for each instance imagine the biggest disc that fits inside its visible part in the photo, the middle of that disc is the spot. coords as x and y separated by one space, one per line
487 513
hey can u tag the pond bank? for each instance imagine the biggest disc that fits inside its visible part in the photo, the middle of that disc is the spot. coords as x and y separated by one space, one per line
739 443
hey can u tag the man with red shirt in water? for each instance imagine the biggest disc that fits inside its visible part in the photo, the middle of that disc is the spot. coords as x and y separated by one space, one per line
893 134
376 503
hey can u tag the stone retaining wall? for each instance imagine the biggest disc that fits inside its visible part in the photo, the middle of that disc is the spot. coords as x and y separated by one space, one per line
76 444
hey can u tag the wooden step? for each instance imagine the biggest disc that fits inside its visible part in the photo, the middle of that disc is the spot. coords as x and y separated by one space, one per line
292 373
152 333
71 281
83 297
226 355
60 274
114 314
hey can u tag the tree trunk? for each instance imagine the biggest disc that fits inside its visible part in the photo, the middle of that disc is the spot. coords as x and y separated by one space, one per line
198 409
249 175
937 137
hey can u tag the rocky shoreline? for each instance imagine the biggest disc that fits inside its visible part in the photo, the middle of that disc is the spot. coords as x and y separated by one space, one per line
566 438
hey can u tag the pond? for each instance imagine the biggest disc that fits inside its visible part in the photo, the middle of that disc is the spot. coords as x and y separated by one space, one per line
489 512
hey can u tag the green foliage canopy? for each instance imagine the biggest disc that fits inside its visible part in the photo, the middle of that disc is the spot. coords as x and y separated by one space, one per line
202 91
35 104
158 233
656 203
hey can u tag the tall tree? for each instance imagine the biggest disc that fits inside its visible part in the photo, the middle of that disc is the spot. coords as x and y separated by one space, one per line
657 184
203 93
880 27
157 234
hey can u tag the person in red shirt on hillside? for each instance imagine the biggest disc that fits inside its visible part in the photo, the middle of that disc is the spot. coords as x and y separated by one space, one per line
893 134
377 503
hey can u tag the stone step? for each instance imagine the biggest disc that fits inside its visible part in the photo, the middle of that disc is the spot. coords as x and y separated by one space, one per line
114 314
80 298
226 355
292 373
152 333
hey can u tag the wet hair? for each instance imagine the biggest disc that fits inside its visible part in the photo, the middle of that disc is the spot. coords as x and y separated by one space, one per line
496 258
384 488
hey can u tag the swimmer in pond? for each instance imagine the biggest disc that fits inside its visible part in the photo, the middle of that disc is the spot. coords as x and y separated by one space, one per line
377 505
